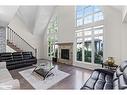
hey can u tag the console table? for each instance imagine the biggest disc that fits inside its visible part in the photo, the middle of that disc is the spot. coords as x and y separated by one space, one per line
44 70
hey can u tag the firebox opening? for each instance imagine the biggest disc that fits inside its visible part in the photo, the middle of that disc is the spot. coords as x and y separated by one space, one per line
65 54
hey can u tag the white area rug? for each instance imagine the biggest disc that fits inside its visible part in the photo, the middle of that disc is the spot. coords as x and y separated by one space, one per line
38 83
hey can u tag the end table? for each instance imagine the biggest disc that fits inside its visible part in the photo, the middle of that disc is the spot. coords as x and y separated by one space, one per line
112 67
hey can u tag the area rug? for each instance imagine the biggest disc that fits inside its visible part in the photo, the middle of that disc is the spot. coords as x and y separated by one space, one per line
37 81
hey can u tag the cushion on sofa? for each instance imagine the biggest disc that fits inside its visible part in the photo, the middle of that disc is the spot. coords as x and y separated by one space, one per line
5 54
17 56
4 57
6 80
125 74
120 83
123 65
27 55
4 75
30 60
14 62
99 80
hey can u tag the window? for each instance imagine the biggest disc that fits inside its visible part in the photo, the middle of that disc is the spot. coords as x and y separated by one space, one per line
52 37
89 41
79 49
86 14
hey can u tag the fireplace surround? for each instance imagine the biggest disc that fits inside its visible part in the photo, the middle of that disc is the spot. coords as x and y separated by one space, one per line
65 53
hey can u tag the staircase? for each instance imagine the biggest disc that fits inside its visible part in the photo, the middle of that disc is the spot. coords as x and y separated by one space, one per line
17 43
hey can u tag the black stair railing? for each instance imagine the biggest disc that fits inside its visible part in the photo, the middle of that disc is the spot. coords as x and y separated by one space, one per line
19 42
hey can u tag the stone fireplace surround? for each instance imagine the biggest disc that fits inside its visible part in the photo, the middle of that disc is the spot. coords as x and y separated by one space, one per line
68 46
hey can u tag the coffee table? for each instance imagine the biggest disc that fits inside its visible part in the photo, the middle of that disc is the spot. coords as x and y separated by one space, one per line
44 69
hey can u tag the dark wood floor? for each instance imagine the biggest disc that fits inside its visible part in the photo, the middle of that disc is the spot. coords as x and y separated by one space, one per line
75 81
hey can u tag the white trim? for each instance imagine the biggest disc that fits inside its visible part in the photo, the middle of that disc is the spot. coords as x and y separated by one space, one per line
87 65
89 25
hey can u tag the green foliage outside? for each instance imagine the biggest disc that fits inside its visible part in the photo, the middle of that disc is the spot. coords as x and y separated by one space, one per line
87 56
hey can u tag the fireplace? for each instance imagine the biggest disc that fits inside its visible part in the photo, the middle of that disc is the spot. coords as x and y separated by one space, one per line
65 54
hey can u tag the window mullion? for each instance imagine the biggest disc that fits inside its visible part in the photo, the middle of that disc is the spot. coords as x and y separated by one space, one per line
52 40
83 44
92 52
54 45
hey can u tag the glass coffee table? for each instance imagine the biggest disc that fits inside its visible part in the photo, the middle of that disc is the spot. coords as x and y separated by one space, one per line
44 69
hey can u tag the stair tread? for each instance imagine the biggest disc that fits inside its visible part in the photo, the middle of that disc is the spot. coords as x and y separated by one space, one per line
10 44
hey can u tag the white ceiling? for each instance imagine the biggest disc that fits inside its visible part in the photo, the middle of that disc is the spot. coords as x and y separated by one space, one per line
119 8
35 18
6 14
43 18
28 15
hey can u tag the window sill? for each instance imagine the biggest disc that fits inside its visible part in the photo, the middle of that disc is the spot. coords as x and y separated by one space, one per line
87 65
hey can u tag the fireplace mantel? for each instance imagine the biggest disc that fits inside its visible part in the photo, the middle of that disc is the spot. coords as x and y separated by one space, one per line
64 43
68 46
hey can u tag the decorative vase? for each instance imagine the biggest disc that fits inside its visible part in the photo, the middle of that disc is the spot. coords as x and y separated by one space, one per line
110 61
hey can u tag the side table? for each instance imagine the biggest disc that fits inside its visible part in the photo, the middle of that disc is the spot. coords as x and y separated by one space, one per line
111 67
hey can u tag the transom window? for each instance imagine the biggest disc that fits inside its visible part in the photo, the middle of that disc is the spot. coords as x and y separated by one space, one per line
88 14
89 34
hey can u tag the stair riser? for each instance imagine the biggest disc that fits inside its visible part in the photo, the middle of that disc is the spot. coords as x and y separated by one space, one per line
10 44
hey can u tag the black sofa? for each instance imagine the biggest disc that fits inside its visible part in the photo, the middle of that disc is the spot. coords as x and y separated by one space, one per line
106 79
17 59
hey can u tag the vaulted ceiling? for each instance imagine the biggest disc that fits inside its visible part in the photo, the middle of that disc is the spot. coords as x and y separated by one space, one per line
35 18
6 14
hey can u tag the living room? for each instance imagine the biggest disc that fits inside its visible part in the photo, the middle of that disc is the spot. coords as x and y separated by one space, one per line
75 47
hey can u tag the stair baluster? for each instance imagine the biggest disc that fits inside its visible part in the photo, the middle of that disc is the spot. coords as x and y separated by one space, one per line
18 43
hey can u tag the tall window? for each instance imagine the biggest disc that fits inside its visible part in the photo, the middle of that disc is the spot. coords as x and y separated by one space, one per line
52 37
89 34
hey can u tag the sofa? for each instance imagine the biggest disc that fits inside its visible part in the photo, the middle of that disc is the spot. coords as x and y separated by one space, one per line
6 80
107 79
17 59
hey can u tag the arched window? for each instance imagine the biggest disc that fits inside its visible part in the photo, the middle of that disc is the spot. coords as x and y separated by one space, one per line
89 34
52 37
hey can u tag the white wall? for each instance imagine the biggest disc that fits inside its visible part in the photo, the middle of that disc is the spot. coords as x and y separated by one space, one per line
112 33
8 49
2 39
124 42
123 34
19 27
66 25
124 14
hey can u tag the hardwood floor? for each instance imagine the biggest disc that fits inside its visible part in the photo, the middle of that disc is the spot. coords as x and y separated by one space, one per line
75 81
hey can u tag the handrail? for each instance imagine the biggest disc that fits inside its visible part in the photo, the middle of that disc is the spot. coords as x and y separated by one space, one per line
21 38
11 30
